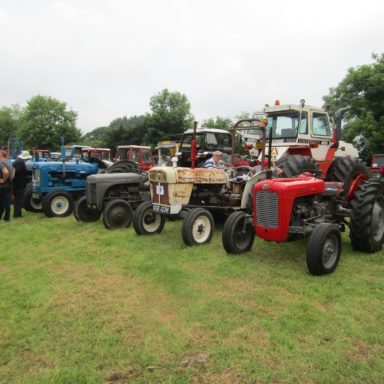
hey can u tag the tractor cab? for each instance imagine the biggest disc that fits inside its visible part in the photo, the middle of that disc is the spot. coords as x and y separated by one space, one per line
307 131
140 154
99 153
208 140
41 154
377 166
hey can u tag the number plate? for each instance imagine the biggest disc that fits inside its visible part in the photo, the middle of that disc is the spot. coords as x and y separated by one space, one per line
161 208
35 195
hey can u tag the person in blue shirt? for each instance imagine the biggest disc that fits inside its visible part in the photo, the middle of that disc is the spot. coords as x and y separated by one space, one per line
214 161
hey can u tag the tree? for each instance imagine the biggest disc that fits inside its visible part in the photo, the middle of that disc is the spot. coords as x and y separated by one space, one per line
125 130
219 122
170 115
9 123
95 137
45 120
363 91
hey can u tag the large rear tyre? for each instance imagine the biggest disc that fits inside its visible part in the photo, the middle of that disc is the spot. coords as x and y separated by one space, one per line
293 165
117 214
324 249
31 204
57 204
198 227
83 213
349 171
340 168
147 222
238 233
367 217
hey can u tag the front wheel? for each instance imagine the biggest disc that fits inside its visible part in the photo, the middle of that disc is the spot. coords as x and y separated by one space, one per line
83 213
57 204
238 233
198 227
117 214
30 203
147 222
324 249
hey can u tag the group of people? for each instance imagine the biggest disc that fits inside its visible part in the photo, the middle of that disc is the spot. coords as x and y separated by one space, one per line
216 162
13 180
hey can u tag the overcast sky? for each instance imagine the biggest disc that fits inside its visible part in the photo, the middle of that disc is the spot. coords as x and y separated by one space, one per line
107 58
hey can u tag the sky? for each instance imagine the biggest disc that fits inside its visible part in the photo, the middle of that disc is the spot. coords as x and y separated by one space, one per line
106 59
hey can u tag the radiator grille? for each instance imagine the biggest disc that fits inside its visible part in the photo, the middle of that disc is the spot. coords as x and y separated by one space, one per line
267 209
91 193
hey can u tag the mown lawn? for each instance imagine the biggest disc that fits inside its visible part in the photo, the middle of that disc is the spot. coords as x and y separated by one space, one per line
81 304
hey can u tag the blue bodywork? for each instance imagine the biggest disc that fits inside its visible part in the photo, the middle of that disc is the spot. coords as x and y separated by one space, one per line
68 176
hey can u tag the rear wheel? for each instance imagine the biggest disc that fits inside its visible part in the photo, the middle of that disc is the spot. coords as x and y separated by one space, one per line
198 227
147 222
238 234
367 217
83 213
117 214
324 249
340 168
31 204
293 165
349 171
57 204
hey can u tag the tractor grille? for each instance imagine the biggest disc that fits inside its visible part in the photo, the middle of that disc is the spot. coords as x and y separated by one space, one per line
91 194
267 209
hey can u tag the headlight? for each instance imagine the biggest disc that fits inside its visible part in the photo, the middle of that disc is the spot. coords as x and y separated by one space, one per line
36 177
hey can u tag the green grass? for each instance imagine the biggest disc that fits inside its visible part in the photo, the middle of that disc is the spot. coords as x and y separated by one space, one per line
81 304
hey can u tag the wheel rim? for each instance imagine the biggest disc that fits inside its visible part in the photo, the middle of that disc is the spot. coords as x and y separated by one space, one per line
36 204
378 219
118 216
59 205
243 235
330 251
201 229
151 221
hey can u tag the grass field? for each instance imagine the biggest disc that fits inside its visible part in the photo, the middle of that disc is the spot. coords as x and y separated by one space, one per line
81 304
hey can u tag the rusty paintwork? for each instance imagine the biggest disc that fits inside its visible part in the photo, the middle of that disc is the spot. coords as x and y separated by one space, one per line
173 175
171 185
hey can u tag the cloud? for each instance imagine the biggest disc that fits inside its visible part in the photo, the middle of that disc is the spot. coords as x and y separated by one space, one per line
106 59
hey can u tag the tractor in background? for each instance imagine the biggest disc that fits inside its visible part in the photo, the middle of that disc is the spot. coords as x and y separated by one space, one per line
377 166
140 154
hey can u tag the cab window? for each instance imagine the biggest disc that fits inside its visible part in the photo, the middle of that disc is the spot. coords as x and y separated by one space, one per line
320 124
147 157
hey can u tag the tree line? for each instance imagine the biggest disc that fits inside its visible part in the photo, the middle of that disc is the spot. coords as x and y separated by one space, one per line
44 120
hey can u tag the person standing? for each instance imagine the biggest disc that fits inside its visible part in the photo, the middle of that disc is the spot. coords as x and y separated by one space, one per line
19 182
6 175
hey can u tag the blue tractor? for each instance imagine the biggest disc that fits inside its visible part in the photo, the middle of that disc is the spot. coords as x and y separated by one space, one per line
56 185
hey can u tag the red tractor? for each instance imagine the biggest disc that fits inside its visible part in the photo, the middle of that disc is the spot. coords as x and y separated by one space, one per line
292 208
377 166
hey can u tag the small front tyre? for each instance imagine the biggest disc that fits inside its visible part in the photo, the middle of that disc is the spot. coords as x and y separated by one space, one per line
83 213
147 222
238 233
31 204
57 204
198 227
324 249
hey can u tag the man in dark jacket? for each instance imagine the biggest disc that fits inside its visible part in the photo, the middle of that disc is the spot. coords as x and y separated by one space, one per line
6 175
19 182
